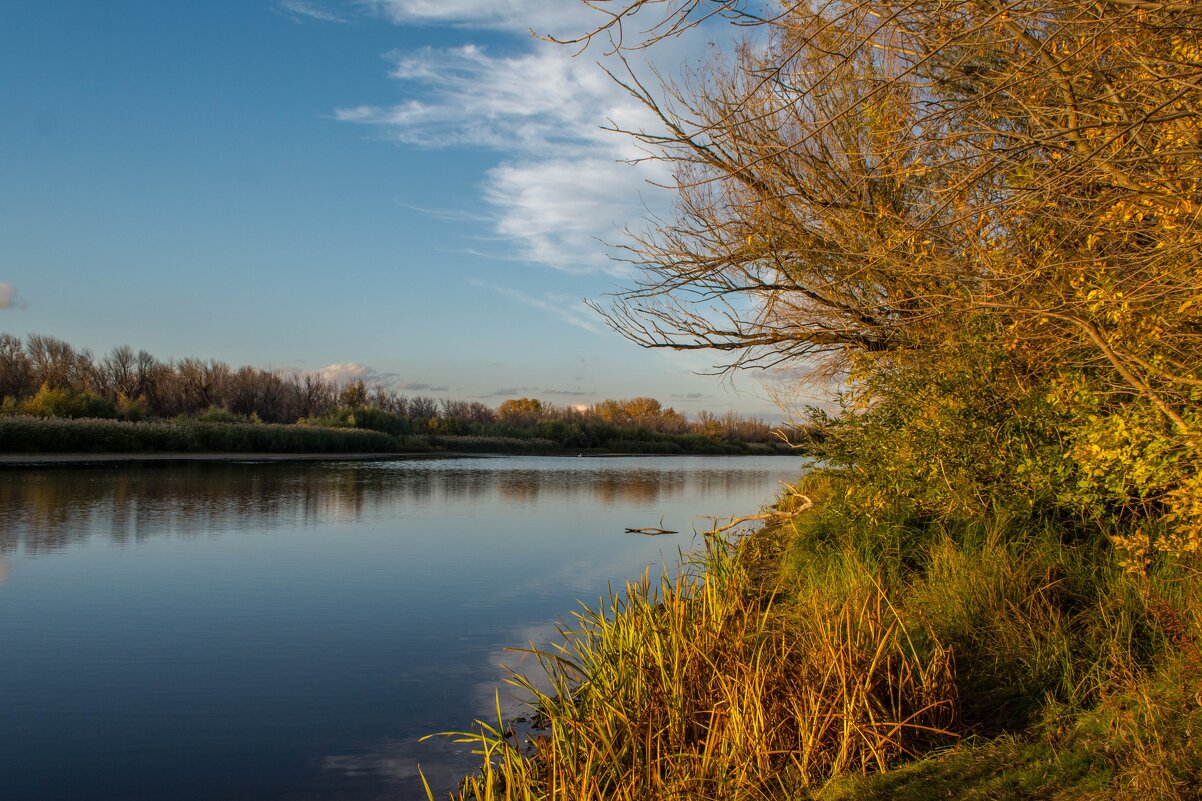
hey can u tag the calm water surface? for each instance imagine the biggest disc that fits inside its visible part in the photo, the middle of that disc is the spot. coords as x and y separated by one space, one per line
214 632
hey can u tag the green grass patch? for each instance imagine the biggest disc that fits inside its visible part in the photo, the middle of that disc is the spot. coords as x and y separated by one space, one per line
1003 769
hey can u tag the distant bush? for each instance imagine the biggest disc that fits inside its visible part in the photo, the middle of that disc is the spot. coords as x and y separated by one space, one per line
363 417
66 403
132 408
27 434
216 414
765 449
644 446
475 444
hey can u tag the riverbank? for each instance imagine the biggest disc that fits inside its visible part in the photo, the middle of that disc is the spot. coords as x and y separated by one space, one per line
841 656
16 460
21 435
78 459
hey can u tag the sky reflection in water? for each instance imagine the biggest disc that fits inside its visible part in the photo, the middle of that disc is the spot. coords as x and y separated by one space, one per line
288 631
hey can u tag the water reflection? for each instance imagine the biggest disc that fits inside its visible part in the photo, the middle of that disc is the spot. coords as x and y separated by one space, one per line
290 631
43 511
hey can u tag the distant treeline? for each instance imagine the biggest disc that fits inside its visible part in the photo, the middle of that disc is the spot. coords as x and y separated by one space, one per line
45 377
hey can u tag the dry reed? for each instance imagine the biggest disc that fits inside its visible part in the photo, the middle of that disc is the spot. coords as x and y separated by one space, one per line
695 686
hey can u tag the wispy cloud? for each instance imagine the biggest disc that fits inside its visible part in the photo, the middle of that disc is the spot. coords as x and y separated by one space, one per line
562 212
563 185
570 310
519 16
528 103
302 10
421 386
534 392
449 215
509 392
8 297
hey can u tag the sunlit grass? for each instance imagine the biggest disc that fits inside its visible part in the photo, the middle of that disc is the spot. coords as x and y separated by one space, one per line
839 657
695 686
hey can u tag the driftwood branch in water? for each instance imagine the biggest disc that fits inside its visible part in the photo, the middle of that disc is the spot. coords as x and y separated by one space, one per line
738 521
651 531
775 515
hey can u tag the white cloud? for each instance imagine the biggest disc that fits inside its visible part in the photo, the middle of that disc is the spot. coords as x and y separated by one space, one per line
558 17
8 297
562 184
301 9
560 212
543 101
342 373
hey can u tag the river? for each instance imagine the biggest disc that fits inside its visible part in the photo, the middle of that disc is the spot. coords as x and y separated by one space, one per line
288 631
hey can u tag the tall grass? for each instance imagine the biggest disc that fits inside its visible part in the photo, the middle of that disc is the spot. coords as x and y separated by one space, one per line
814 659
479 444
1055 643
696 686
57 435
221 431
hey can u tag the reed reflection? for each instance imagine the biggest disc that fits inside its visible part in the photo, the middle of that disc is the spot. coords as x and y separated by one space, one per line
49 510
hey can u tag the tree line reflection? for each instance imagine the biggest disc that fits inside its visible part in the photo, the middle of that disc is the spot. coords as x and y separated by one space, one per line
47 510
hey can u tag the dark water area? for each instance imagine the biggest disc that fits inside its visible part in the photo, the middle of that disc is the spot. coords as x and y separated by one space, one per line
205 632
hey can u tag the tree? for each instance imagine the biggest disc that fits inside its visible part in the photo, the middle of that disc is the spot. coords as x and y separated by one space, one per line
520 411
149 374
201 385
16 375
880 187
861 177
119 371
642 408
53 361
353 395
313 395
423 408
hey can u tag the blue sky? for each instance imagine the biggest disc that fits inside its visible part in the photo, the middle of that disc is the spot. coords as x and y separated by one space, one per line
405 190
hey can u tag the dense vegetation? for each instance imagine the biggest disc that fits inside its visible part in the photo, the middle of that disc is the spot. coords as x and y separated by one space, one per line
842 657
48 388
983 218
44 435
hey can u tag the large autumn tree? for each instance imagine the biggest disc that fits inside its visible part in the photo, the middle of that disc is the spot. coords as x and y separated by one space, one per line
875 185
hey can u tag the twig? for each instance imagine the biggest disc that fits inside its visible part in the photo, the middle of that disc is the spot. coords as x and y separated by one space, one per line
738 521
806 504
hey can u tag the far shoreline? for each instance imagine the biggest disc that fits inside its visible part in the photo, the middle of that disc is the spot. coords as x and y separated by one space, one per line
73 459
20 460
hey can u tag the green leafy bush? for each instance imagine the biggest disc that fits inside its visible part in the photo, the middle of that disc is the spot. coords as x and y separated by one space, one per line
69 403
